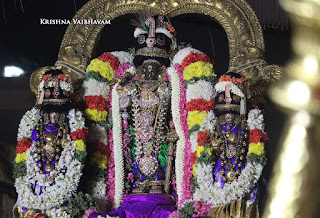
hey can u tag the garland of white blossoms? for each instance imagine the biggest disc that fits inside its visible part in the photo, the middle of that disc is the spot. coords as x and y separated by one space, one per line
60 184
179 161
211 191
117 148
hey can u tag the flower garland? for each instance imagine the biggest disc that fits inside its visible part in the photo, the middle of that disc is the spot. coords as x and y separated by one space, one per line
196 72
96 87
60 184
118 154
211 191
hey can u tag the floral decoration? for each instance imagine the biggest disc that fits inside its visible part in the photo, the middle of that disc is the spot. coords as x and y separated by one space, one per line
58 186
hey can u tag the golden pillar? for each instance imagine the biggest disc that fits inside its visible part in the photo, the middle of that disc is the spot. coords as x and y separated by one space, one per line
294 188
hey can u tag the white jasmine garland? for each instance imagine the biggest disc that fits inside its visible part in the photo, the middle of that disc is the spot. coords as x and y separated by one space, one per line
93 87
210 191
99 194
124 57
200 89
255 119
208 122
179 161
181 54
61 183
59 213
221 86
193 140
76 120
27 123
117 147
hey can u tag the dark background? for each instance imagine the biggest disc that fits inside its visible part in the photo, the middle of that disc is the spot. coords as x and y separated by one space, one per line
29 45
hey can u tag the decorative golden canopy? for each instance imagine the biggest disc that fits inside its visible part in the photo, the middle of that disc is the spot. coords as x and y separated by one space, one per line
235 16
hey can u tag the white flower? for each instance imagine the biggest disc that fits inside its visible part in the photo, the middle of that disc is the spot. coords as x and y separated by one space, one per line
76 120
255 119
208 122
124 57
61 183
179 161
193 140
200 89
181 54
28 123
117 147
93 87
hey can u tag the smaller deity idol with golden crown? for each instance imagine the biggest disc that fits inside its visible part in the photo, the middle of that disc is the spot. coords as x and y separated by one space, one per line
230 155
51 152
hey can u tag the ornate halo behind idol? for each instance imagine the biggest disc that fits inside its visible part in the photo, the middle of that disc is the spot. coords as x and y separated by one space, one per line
54 87
232 92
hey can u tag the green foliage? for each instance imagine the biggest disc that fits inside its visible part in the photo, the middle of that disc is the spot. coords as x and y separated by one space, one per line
19 169
80 155
187 210
205 158
194 128
211 79
95 75
79 203
258 159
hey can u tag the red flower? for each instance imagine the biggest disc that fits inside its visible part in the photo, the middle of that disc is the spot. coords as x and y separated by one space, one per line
97 102
62 77
200 105
45 77
256 135
80 134
23 145
233 79
194 157
111 59
203 137
102 148
194 57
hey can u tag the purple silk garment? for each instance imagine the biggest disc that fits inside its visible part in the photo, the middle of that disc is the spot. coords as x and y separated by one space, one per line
144 206
217 172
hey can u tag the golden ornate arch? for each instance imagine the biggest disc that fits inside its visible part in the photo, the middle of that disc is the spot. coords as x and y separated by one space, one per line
235 16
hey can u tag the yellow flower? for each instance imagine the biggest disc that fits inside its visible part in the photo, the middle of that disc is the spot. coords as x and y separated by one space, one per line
256 148
102 67
194 170
199 150
94 114
198 69
21 157
99 160
80 145
195 118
